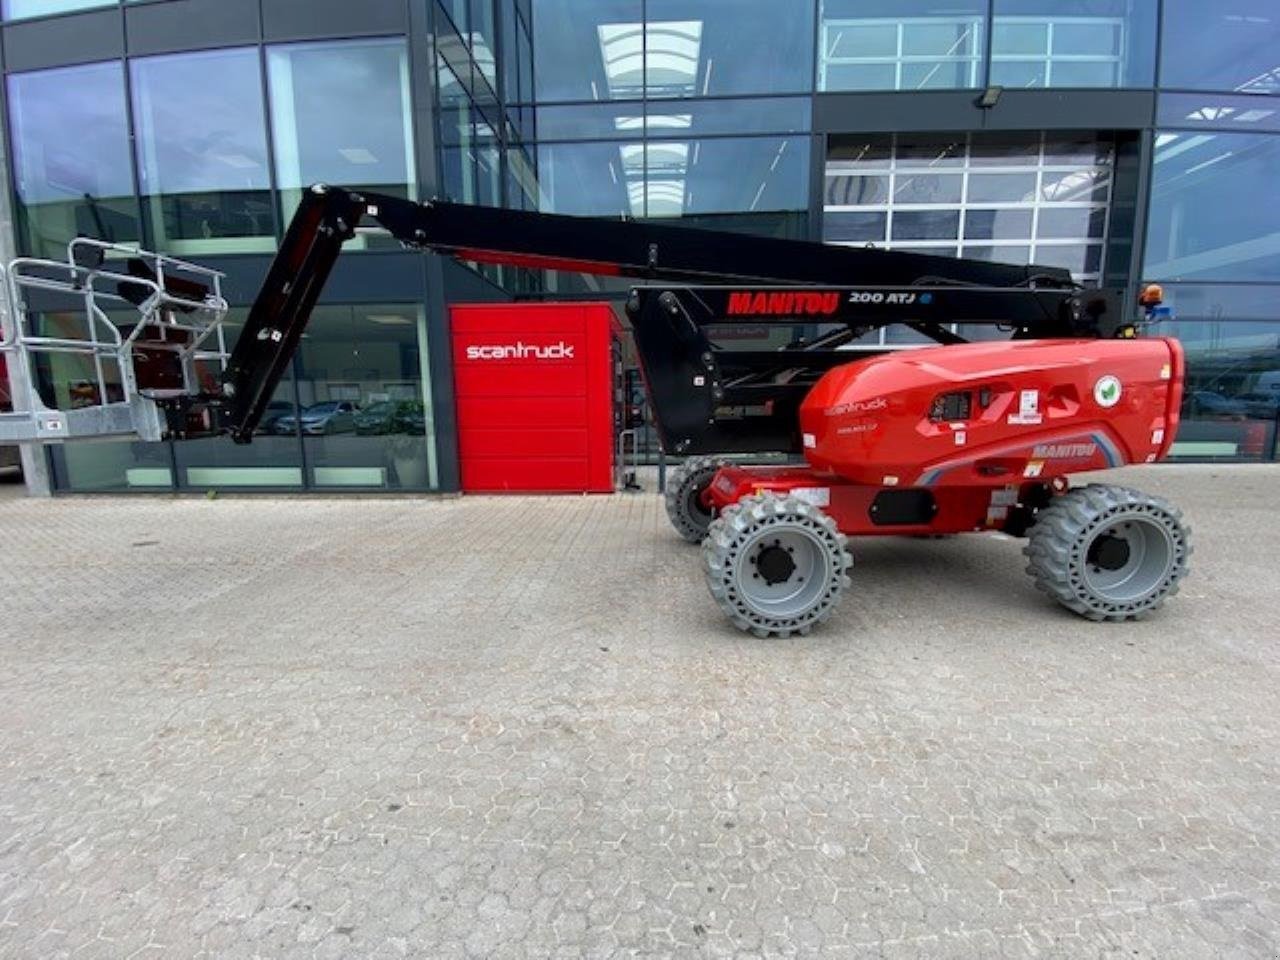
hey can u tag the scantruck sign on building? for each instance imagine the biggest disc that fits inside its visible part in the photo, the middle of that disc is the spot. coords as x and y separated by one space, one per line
535 397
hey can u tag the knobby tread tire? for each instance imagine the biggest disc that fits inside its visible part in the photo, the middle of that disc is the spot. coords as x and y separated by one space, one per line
691 476
1057 547
723 550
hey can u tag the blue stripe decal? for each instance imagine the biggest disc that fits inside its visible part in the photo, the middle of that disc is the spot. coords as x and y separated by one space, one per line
1114 459
930 478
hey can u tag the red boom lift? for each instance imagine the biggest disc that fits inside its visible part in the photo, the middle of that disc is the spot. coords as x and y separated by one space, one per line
971 434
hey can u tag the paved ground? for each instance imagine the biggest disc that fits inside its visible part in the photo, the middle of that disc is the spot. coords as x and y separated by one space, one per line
519 728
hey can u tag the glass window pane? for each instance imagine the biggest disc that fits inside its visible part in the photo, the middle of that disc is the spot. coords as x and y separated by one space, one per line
1088 184
272 461
1010 38
932 152
878 40
934 76
481 40
1020 73
1213 203
587 50
1071 222
1099 38
997 225
341 114
1232 398
939 39
756 175
856 191
1220 46
857 151
905 45
927 188
1013 253
859 227
19 9
366 415
1078 258
1074 43
1002 187
1004 150
202 151
727 47
72 169
591 179
926 225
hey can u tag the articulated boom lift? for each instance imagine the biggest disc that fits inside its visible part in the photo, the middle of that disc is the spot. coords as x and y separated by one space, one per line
968 434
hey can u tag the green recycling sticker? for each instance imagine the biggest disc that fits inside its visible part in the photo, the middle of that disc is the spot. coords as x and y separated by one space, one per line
1107 391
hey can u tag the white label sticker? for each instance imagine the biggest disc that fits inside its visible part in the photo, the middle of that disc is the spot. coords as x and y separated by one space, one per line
810 441
1029 404
699 381
1166 372
816 496
1157 436
1006 497
1033 468
890 481
1016 419
960 438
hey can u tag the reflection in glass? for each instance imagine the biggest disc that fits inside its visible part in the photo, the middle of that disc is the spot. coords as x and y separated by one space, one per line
1022 198
1220 46
21 9
202 151
901 45
1213 203
365 419
1073 43
72 172
1231 335
341 114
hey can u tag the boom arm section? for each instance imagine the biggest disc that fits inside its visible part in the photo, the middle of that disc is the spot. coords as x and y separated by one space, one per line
327 217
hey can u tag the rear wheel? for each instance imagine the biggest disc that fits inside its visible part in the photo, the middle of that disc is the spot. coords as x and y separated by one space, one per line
776 565
1109 553
684 496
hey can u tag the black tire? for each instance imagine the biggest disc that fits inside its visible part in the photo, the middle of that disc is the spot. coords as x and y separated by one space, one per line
684 488
777 566
1109 553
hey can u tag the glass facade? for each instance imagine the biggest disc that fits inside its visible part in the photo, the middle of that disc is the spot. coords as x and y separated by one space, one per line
341 113
201 149
70 145
1030 198
709 112
354 413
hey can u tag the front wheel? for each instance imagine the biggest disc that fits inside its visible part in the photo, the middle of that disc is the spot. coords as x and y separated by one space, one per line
776 565
1109 553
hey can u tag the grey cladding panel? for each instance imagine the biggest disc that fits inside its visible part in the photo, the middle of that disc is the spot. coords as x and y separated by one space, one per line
60 41
317 19
190 24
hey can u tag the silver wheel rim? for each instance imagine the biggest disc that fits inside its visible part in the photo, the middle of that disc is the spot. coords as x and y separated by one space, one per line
1149 558
803 586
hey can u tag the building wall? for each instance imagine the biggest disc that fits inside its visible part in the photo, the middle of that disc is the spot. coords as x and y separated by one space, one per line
191 125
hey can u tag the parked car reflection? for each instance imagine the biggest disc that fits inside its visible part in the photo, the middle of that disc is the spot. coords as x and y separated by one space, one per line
332 416
387 416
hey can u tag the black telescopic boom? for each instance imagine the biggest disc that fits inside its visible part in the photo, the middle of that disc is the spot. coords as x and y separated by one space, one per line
328 216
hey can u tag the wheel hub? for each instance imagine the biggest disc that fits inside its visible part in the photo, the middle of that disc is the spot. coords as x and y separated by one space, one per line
774 564
1109 552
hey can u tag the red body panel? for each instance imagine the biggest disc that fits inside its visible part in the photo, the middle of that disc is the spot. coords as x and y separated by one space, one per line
1044 413
534 387
1036 412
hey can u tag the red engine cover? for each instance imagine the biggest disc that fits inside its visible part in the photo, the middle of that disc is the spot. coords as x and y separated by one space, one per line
989 413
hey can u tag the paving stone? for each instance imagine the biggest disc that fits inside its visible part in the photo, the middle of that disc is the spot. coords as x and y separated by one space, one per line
518 727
